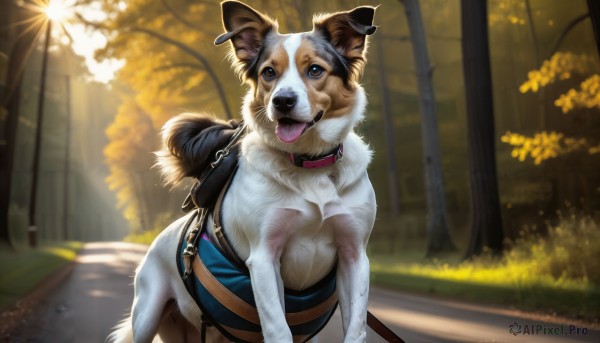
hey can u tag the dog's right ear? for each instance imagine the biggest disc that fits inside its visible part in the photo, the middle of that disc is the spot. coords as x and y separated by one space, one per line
347 32
247 29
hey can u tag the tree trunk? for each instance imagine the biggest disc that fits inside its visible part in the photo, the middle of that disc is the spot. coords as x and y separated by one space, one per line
388 125
67 162
37 147
10 101
594 8
565 31
486 224
438 238
6 161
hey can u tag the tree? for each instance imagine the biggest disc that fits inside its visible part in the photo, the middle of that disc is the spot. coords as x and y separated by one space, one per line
169 68
561 66
486 220
544 145
438 238
20 51
128 154
389 137
171 63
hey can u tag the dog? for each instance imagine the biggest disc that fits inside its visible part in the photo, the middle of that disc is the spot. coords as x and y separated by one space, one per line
290 214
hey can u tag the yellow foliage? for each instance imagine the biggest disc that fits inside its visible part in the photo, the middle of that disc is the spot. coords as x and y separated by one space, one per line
131 138
594 150
587 97
560 66
542 146
566 258
164 80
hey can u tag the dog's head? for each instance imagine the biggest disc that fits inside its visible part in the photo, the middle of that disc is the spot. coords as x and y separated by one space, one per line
304 96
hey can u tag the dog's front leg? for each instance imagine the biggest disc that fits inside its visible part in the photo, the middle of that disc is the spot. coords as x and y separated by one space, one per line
267 287
353 286
265 271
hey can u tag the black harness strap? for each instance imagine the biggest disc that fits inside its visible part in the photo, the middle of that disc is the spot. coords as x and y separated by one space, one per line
221 240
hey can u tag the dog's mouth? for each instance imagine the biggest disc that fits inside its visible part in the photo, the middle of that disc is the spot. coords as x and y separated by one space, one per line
289 130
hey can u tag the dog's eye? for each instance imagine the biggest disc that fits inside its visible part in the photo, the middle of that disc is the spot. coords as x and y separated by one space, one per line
269 74
315 71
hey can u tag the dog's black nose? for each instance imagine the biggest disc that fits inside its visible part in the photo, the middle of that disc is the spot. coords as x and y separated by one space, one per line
285 101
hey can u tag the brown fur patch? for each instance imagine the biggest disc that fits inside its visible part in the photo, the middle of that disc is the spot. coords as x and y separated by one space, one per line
277 59
328 92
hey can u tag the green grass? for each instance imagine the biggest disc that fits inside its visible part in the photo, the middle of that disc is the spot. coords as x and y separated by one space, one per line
558 273
146 237
532 293
21 271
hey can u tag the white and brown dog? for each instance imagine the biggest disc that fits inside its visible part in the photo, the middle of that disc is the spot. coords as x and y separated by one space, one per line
290 224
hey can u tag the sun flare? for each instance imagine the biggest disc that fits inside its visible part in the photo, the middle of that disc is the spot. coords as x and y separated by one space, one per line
56 10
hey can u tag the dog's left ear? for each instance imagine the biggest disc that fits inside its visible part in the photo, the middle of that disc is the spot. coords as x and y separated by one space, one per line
347 31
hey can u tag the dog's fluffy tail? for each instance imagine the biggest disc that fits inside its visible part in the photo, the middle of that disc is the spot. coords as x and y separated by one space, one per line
123 332
189 142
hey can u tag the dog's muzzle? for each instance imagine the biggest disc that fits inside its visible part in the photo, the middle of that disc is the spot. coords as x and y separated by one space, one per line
289 130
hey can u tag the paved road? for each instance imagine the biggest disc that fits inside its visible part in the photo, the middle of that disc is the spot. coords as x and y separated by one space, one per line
94 298
98 293
424 320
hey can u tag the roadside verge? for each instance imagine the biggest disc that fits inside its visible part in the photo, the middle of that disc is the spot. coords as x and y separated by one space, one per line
27 277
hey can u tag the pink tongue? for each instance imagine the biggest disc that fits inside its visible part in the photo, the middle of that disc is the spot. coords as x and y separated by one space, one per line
289 132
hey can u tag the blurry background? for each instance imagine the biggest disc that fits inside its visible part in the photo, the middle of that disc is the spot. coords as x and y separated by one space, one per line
546 148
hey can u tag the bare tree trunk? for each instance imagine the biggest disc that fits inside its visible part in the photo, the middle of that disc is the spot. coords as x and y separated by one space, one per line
37 147
142 207
67 164
6 162
437 228
486 224
594 7
388 125
10 102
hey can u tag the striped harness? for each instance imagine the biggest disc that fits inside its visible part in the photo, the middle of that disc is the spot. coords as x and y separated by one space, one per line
223 291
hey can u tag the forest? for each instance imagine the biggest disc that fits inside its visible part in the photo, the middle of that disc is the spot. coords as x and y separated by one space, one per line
484 118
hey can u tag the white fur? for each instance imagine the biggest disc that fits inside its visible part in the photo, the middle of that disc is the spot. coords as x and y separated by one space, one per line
292 80
291 226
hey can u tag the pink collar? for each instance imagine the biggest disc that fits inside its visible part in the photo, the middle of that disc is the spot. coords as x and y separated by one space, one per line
319 161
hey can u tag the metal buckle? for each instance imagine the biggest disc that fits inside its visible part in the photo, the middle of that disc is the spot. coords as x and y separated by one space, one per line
220 155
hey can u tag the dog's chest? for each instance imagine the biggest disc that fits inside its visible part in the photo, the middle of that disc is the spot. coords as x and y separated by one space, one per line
301 223
309 242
